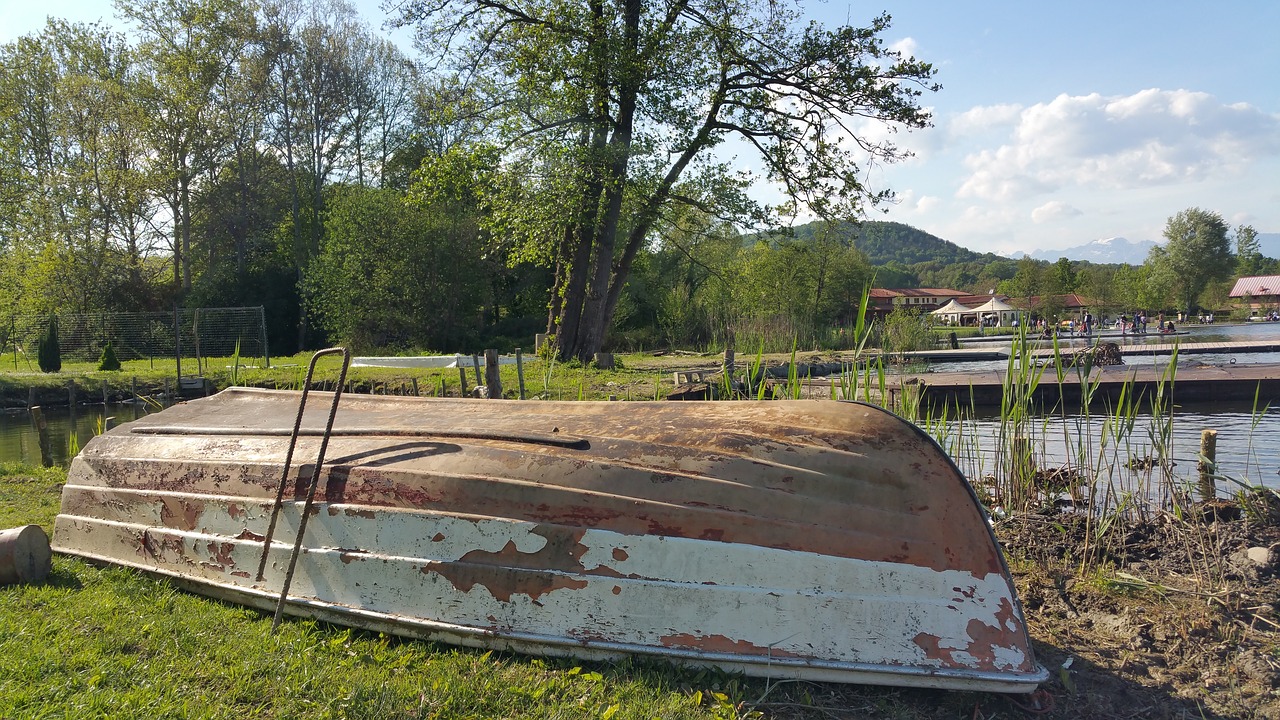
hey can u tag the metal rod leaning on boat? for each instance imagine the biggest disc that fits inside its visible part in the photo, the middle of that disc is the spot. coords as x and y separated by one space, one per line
293 441
315 477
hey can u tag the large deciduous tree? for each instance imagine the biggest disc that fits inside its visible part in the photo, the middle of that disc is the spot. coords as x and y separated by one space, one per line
1198 252
610 110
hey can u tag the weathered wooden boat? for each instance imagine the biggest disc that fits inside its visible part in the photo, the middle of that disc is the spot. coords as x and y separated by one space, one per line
802 539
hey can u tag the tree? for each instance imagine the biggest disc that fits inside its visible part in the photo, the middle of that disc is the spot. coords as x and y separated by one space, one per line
1249 260
611 110
108 361
394 275
1061 277
189 48
1197 253
48 352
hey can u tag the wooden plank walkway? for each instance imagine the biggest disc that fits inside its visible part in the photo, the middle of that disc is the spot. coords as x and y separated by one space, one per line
966 354
1183 348
1194 384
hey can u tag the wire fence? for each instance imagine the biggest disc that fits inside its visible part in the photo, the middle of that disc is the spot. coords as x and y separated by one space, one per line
182 333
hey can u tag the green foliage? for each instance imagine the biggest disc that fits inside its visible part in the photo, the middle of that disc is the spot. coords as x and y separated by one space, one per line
674 82
395 275
109 362
48 352
1198 252
906 330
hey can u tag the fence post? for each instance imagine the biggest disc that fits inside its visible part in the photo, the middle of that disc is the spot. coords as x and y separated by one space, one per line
266 352
177 344
493 374
462 380
475 363
520 371
729 359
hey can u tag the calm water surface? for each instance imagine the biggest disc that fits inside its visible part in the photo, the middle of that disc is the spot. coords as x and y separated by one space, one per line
1248 438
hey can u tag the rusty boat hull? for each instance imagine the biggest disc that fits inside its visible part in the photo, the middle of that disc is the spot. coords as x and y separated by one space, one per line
796 539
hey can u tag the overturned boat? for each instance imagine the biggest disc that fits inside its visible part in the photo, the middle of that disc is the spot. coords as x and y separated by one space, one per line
796 539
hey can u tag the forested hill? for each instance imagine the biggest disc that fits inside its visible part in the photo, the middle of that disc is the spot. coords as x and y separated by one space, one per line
888 242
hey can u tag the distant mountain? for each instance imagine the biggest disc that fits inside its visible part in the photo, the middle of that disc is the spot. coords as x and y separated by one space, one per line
1119 250
1105 251
887 242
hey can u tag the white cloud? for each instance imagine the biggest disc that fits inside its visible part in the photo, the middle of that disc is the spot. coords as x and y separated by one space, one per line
983 119
927 203
907 46
1150 138
1054 210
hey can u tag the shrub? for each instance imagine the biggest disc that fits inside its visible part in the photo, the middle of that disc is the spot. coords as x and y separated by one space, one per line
48 353
108 360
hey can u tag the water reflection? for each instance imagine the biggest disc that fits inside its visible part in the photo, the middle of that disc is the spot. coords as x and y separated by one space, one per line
20 441
1248 447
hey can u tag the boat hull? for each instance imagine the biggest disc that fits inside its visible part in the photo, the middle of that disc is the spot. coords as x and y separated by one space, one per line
816 540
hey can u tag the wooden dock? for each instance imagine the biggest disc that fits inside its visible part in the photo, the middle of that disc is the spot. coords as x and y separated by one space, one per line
1229 383
978 354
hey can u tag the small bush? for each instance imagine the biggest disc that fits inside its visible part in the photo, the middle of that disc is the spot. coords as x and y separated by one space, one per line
48 352
108 361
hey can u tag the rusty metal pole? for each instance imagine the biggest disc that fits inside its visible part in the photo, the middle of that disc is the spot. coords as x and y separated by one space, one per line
315 479
293 442
1207 464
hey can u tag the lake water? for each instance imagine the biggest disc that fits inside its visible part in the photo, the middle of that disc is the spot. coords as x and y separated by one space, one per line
1248 439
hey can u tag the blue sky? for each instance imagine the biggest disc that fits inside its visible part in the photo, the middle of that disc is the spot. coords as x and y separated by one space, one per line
1058 123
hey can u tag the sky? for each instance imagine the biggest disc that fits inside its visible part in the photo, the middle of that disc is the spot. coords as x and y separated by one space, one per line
1058 123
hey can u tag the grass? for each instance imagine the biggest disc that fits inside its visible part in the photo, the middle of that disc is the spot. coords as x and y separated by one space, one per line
112 642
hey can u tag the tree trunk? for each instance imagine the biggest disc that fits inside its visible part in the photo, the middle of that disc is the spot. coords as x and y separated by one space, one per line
596 317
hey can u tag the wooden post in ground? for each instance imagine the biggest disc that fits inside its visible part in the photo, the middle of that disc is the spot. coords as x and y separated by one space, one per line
31 398
1208 461
729 359
415 387
475 363
520 371
42 435
493 374
462 381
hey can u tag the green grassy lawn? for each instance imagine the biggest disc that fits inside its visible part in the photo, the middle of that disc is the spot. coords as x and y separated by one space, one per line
548 380
110 642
